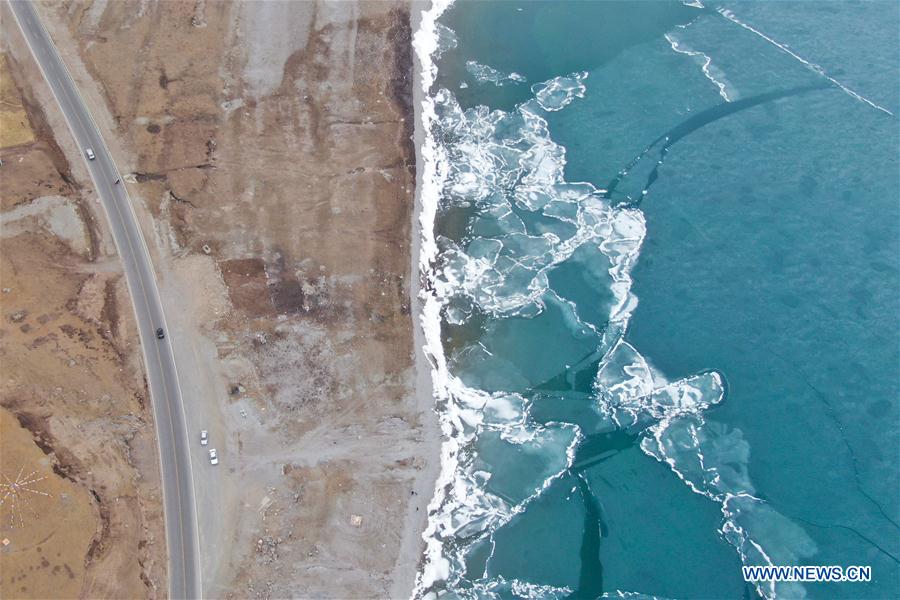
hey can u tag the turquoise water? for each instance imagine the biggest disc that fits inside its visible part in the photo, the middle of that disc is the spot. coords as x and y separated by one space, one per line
668 246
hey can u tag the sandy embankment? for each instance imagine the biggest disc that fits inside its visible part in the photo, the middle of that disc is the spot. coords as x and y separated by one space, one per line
417 521
269 155
410 557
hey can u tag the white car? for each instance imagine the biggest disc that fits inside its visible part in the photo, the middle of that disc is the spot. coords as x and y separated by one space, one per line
204 437
213 457
89 153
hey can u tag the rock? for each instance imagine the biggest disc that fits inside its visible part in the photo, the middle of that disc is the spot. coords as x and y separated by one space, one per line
267 549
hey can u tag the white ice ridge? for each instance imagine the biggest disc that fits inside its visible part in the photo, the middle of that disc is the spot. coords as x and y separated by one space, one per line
498 588
426 43
711 72
487 74
559 92
630 595
500 162
710 459
461 504
492 150
810 65
446 40
471 508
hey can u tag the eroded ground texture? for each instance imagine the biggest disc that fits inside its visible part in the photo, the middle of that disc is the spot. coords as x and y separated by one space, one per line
79 482
269 157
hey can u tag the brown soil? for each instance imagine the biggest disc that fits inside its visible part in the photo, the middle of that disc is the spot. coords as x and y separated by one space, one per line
43 521
36 168
71 386
14 126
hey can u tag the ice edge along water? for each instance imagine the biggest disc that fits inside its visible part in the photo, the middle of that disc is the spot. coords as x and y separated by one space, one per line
710 71
425 45
629 392
816 68
728 14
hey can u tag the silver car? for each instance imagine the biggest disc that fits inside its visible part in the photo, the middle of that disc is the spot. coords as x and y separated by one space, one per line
204 437
89 153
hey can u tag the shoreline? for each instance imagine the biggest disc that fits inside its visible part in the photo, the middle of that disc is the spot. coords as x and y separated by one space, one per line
260 319
412 545
434 566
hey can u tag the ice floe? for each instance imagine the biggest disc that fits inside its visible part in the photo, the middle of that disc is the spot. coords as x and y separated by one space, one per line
487 74
559 92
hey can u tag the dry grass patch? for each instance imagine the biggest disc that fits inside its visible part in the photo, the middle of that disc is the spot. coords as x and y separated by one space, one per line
15 128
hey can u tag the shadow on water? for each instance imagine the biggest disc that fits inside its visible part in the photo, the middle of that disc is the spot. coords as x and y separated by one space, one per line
599 447
592 451
590 579
578 376
692 124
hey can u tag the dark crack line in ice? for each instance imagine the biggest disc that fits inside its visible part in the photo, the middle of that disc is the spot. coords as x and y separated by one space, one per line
692 124
590 576
727 14
839 526
829 410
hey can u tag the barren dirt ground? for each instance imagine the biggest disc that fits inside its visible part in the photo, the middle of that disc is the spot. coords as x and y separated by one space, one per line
46 520
268 150
84 520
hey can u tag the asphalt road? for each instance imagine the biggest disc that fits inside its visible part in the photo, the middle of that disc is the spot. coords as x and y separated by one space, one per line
168 411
